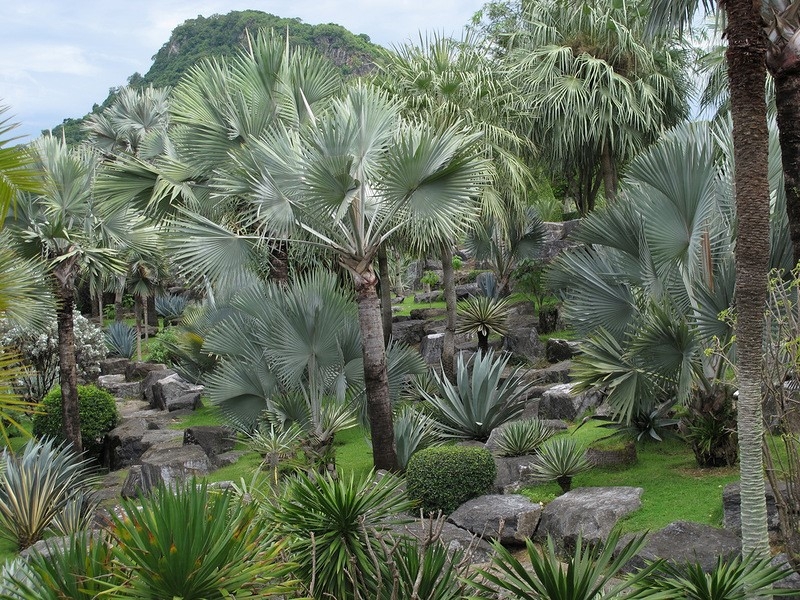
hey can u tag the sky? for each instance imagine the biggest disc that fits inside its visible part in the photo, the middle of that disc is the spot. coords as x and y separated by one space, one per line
60 57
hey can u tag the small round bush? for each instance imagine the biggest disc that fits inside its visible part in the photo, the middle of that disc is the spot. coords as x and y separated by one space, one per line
444 477
97 409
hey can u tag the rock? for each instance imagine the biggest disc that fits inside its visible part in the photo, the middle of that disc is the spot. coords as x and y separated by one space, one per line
157 440
619 456
409 332
732 506
136 371
132 487
468 289
591 511
512 519
512 472
173 465
454 538
556 350
118 387
791 581
226 458
426 314
114 366
682 542
431 348
149 381
557 373
174 393
213 439
560 402
123 444
427 297
523 342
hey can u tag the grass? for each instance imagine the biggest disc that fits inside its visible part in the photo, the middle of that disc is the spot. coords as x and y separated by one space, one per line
208 414
408 304
353 452
668 474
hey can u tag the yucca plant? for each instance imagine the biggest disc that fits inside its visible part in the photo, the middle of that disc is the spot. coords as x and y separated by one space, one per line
77 514
81 569
481 399
194 543
333 530
120 339
413 430
734 579
35 487
519 438
560 459
586 575
484 316
12 407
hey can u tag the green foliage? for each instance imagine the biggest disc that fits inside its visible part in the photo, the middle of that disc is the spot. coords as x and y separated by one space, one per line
457 262
98 415
560 459
413 431
588 574
519 438
35 486
429 279
480 400
160 348
120 339
194 543
443 478
333 528
485 316
171 307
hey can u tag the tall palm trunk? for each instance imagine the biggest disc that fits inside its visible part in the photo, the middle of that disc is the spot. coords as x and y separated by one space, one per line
609 170
449 284
279 262
386 293
65 273
747 71
787 101
379 405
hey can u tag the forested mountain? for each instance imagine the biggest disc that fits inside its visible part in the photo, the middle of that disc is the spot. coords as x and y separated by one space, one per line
221 35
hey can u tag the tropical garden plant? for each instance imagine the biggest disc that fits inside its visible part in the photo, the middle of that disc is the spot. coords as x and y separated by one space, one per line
483 316
559 459
413 430
522 437
121 339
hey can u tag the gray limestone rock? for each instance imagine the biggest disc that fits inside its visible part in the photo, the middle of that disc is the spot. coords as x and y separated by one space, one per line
510 518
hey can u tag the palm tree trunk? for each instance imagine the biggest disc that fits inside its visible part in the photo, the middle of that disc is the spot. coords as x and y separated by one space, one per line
137 313
449 284
279 262
787 101
379 405
746 72
386 294
67 369
609 174
118 308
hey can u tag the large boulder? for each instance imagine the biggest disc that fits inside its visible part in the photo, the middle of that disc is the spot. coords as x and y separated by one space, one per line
453 538
552 374
562 402
213 439
557 350
175 393
512 473
114 366
524 343
171 466
683 542
150 380
591 512
136 371
119 387
732 509
409 332
511 518
431 348
123 444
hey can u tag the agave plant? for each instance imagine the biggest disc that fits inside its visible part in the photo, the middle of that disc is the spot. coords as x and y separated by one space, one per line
171 307
586 575
333 529
481 399
36 486
484 316
560 459
192 543
120 339
519 438
413 430
734 579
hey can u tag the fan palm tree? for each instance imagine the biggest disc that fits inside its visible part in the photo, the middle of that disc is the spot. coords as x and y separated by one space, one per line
596 93
747 46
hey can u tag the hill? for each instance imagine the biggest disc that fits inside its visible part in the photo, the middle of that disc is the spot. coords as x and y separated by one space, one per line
225 35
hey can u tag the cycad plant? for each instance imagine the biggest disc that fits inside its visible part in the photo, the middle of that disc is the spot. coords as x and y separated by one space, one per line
482 398
36 485
483 316
560 459
334 530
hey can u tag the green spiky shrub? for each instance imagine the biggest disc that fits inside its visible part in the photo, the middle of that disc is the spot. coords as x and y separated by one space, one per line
483 316
334 529
120 339
520 438
413 431
191 542
482 399
98 414
443 478
560 459
35 487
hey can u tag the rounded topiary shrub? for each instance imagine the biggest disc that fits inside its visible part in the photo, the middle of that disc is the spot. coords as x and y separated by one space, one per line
98 412
444 477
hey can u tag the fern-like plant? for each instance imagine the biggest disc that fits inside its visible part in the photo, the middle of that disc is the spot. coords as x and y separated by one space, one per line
519 438
120 339
482 398
483 316
560 459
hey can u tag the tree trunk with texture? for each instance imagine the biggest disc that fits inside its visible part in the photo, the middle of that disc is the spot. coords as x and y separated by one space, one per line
610 182
376 382
279 262
787 101
386 294
67 369
449 285
746 71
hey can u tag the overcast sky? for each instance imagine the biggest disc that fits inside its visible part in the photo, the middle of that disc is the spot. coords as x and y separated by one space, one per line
59 57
